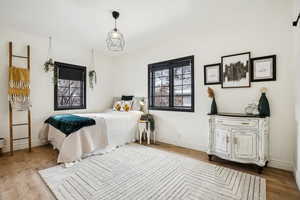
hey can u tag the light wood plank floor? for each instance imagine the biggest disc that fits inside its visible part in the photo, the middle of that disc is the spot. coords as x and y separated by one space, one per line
19 179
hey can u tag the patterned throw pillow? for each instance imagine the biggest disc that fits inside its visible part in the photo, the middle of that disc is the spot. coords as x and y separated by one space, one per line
118 106
127 105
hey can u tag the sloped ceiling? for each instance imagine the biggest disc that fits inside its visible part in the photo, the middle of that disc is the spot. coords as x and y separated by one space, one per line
143 22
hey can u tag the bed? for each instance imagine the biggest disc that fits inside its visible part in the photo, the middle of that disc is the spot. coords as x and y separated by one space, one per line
112 129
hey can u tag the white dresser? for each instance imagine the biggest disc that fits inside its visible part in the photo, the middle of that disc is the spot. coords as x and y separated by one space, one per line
239 138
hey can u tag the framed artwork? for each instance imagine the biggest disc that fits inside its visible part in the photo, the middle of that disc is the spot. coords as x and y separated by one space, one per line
236 70
212 74
263 68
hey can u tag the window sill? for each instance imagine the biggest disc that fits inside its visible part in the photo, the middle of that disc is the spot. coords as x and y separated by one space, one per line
171 109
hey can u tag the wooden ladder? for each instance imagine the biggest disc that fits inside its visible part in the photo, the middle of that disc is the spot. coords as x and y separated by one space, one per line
11 124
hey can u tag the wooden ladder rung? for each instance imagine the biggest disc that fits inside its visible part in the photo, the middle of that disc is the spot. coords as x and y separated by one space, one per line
23 138
25 57
21 124
11 124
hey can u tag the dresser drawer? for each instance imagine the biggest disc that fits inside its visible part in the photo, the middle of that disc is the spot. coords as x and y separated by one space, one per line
243 123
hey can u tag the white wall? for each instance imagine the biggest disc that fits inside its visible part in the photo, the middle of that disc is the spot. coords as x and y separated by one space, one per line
42 94
262 27
296 59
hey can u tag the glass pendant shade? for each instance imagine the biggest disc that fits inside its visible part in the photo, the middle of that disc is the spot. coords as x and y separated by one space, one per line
115 40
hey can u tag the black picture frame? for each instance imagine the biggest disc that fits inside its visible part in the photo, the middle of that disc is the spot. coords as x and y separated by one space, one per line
248 69
273 65
206 67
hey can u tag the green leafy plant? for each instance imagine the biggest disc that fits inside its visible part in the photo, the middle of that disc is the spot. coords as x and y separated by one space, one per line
92 78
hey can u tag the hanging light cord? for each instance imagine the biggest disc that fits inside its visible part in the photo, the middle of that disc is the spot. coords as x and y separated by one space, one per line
50 47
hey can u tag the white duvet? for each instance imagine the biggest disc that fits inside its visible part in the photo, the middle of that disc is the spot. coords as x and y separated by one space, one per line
112 129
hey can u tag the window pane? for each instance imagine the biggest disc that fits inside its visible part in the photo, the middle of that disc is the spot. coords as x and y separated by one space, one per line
178 101
75 83
157 101
62 82
75 92
157 82
178 90
63 101
75 101
186 69
187 89
177 79
187 101
187 79
165 101
161 101
164 81
158 73
165 91
63 91
165 72
178 70
157 91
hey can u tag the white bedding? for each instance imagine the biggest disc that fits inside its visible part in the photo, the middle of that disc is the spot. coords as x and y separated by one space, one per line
112 129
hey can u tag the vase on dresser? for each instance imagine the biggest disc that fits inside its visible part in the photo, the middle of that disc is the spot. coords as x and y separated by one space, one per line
239 138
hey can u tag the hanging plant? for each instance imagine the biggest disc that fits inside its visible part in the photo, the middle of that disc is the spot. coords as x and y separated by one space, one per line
92 78
49 65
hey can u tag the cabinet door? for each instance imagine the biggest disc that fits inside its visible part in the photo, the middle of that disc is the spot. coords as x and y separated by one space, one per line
245 144
222 141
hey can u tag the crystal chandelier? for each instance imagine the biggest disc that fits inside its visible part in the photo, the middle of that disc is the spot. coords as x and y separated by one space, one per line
115 39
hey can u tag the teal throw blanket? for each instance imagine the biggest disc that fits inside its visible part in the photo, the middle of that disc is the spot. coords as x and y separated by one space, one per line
68 123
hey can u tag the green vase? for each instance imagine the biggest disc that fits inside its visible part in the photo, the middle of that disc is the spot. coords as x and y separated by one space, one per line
213 108
263 106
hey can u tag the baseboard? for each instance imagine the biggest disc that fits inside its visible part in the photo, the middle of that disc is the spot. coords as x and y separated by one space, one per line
279 164
23 145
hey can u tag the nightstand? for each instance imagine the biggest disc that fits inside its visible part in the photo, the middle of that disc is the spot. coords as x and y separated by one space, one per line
144 127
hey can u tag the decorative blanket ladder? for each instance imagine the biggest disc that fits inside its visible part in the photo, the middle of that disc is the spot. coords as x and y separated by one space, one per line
11 124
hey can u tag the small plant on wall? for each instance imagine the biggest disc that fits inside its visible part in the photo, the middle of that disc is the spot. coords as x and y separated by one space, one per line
92 78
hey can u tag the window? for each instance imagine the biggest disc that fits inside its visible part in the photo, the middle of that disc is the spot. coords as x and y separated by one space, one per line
171 85
70 87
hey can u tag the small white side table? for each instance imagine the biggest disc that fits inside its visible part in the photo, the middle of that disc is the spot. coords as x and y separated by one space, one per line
144 127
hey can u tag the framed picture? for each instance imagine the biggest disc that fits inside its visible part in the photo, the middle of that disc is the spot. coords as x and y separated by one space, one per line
263 68
236 70
212 74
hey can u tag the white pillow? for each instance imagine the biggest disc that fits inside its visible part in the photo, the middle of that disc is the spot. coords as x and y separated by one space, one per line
118 106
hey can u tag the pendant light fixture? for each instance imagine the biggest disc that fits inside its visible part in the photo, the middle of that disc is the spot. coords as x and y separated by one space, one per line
115 39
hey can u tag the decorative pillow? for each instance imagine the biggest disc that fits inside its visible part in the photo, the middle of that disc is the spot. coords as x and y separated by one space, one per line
118 106
136 105
126 98
127 105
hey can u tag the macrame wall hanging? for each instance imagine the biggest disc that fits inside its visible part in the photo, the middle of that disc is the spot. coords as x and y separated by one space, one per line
92 73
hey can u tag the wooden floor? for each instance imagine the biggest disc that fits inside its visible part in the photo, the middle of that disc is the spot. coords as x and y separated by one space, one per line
19 179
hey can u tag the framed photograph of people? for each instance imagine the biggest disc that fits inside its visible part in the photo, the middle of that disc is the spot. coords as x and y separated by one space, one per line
263 68
236 70
212 74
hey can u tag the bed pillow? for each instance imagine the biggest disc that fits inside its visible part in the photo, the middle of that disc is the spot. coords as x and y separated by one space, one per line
118 106
136 103
127 106
127 98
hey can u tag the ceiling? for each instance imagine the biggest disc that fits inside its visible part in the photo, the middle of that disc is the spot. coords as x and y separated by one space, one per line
143 22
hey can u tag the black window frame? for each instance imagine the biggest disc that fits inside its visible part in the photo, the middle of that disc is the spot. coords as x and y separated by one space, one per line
70 66
170 64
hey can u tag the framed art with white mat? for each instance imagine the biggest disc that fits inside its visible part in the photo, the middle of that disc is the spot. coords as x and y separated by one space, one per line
236 70
263 68
212 74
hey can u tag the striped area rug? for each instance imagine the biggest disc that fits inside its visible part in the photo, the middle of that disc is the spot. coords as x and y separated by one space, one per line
138 172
